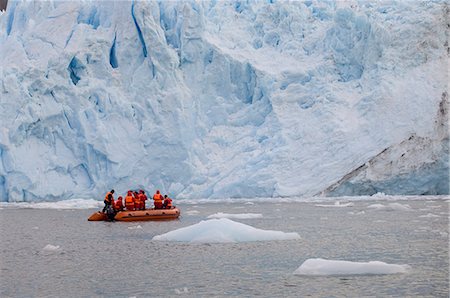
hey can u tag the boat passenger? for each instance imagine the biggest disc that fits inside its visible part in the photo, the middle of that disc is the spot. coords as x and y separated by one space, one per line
129 201
110 213
137 201
143 198
118 206
167 202
158 200
108 199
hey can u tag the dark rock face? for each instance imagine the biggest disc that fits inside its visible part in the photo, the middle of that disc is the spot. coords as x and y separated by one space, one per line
3 4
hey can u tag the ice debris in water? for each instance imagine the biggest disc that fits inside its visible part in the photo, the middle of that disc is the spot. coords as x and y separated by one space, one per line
334 267
223 230
49 249
182 291
429 215
236 216
391 207
135 227
336 204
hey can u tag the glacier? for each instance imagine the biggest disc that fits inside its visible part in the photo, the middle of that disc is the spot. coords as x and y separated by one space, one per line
223 99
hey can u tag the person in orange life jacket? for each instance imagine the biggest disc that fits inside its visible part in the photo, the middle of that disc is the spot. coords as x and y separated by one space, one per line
118 206
137 201
167 202
158 200
143 198
108 199
129 201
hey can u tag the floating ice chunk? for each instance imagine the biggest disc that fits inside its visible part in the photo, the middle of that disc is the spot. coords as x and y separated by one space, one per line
391 207
333 267
336 204
192 212
236 216
135 227
51 248
223 230
181 291
429 215
357 213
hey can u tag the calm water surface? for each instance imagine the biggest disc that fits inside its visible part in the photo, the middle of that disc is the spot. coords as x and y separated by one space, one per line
103 259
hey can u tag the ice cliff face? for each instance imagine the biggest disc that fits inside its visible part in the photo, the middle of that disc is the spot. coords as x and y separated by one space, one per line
223 99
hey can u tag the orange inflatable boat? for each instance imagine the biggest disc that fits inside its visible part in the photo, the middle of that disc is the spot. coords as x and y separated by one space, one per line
139 215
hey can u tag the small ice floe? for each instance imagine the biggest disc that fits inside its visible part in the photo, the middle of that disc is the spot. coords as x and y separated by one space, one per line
35 228
181 291
192 212
336 204
223 230
235 216
391 207
249 203
429 215
51 249
333 267
135 227
357 213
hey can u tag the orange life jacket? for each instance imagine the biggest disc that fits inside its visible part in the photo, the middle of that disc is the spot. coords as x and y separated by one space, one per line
144 197
106 197
118 204
136 198
157 197
168 203
129 200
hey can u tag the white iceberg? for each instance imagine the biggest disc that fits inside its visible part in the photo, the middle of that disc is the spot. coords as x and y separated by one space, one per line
235 216
334 267
221 231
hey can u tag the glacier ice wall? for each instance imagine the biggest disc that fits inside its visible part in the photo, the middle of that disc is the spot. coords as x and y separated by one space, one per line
223 98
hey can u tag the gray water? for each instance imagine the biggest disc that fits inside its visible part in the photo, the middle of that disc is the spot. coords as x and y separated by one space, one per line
104 259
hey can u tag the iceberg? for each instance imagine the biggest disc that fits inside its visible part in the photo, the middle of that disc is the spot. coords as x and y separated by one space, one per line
223 230
218 99
335 267
235 216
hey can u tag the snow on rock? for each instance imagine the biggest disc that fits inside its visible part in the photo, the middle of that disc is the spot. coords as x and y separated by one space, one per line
223 230
334 267
391 207
219 99
235 216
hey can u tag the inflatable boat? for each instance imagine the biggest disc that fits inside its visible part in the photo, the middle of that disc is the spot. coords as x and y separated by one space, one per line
139 215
